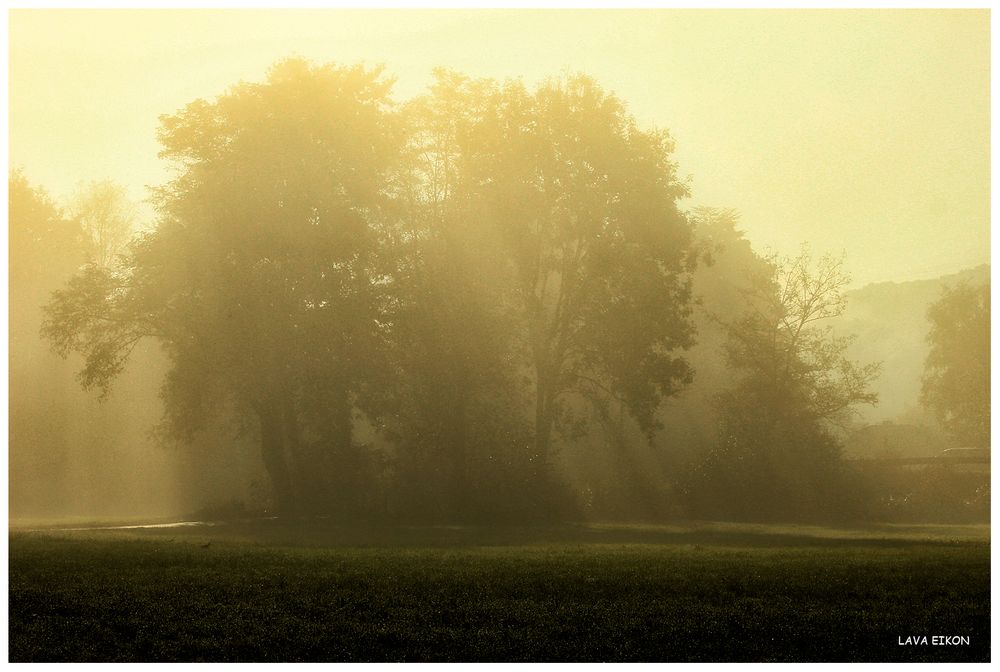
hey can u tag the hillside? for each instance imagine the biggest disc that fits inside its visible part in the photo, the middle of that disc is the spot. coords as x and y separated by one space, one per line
889 320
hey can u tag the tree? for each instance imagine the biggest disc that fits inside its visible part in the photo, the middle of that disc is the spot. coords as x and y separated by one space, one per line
780 346
322 253
549 251
720 284
777 455
585 204
45 249
956 382
45 246
462 429
107 216
262 279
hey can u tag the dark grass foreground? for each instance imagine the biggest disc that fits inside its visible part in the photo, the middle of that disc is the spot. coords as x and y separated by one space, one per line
313 592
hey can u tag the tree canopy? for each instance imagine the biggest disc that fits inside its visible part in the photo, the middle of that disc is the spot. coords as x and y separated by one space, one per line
261 278
586 206
323 252
441 294
956 382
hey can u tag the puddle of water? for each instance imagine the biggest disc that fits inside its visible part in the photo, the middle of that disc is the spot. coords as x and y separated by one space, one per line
184 523
147 526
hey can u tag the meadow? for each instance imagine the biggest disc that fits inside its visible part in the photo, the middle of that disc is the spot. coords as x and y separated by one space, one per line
311 590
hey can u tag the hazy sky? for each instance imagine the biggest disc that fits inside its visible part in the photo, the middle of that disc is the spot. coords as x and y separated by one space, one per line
865 132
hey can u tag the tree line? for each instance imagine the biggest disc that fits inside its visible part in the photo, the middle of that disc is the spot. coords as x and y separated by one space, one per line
435 300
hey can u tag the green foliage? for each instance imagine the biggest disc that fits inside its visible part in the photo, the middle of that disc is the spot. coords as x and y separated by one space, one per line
956 382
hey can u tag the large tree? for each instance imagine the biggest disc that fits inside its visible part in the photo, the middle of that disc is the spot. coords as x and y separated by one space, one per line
549 252
320 252
45 249
956 383
728 269
584 204
262 279
462 429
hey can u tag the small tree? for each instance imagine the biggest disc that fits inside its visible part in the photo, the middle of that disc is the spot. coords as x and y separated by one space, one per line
108 218
780 345
777 455
956 382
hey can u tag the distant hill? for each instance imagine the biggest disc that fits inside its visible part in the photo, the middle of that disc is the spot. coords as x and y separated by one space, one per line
890 322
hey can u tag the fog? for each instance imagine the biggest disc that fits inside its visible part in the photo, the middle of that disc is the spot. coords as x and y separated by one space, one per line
589 265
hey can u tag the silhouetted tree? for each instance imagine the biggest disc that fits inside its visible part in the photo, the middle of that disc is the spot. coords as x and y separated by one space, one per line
463 429
779 344
45 246
262 279
586 206
956 382
320 254
551 251
45 249
776 455
720 283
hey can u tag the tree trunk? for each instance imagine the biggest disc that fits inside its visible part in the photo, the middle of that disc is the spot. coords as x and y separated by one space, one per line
272 444
459 444
301 473
343 422
543 420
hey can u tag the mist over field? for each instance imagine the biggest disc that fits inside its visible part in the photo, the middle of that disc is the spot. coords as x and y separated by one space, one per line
339 280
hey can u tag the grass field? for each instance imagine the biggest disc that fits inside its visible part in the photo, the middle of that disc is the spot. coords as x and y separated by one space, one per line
313 591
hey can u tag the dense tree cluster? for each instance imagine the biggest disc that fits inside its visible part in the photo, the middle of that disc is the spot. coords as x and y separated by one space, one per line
414 307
